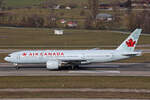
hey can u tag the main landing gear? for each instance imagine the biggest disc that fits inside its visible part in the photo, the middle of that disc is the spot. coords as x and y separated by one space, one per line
74 67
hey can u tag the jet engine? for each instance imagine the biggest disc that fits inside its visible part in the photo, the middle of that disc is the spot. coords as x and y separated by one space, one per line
52 65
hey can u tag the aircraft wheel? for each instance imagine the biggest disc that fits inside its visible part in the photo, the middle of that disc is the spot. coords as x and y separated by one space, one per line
75 67
17 67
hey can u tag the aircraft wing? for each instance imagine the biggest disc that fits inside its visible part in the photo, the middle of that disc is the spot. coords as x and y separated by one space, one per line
73 60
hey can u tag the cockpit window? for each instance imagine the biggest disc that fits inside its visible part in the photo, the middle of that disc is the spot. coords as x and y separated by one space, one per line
9 56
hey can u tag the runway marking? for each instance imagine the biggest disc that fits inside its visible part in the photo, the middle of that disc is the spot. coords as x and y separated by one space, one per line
95 72
74 90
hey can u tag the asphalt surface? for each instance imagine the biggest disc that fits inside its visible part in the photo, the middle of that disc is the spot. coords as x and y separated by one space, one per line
68 99
75 90
100 69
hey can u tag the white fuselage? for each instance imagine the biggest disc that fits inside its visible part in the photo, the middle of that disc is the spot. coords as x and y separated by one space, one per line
85 56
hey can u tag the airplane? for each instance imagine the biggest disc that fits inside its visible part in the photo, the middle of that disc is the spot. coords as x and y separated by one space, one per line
56 59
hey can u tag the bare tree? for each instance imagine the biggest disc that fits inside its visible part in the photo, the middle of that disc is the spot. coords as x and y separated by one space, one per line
93 6
139 20
2 5
52 18
146 21
116 14
49 3
132 24
129 6
88 22
35 21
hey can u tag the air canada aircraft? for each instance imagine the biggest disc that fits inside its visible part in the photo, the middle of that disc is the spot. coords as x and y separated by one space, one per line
56 59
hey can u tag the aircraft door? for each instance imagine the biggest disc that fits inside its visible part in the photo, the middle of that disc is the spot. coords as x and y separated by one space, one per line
83 56
18 58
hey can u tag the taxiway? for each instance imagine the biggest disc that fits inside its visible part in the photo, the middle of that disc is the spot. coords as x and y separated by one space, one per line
100 69
68 99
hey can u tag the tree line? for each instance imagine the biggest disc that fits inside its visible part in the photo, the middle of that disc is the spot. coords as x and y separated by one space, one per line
138 19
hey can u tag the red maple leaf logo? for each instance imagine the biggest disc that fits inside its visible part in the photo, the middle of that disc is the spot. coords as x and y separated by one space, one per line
24 54
130 43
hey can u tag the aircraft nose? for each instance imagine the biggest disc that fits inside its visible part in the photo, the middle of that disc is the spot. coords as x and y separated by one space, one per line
7 59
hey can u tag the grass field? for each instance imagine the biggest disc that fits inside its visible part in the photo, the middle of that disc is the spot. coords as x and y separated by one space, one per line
23 3
26 3
83 82
71 37
70 94
75 82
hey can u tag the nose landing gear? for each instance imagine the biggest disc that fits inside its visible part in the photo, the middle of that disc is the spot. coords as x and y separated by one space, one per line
16 66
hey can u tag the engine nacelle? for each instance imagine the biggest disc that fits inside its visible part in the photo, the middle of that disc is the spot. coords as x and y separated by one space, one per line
52 65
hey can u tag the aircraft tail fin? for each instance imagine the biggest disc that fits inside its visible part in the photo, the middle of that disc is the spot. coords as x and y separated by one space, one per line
130 43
